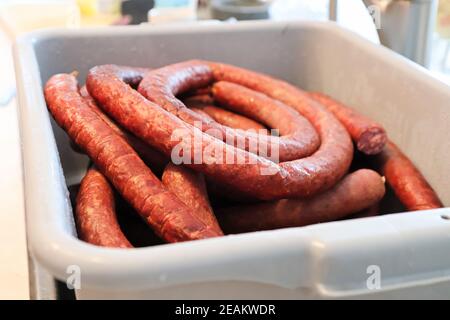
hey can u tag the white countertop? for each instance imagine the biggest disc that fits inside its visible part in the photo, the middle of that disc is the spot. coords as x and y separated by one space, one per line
13 249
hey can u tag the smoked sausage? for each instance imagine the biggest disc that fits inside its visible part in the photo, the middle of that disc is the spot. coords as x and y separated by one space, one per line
368 135
249 173
357 191
95 212
171 219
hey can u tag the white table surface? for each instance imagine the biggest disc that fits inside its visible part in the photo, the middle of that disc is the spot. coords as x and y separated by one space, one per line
13 250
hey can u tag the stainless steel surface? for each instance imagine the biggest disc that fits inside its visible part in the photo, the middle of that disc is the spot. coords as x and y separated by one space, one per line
407 26
332 10
240 9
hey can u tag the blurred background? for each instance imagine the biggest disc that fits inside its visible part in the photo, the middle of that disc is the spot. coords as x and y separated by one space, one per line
418 29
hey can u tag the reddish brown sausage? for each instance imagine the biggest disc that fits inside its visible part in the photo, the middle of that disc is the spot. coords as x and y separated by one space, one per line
202 113
95 213
153 158
366 213
189 186
260 107
205 91
233 120
369 136
134 227
250 174
357 191
160 208
408 183
162 85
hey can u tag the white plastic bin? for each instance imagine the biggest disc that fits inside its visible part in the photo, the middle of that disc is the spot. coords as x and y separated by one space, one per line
408 252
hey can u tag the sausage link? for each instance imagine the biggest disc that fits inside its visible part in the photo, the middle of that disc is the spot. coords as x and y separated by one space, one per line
409 185
161 209
233 120
368 135
162 85
153 158
189 186
357 191
372 211
202 113
134 227
249 173
95 213
261 108
205 91
198 100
